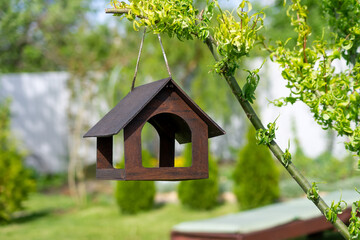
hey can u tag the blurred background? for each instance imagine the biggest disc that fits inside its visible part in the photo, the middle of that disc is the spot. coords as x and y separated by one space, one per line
64 64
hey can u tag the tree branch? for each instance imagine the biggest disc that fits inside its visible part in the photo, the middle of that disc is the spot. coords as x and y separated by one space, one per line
276 150
117 10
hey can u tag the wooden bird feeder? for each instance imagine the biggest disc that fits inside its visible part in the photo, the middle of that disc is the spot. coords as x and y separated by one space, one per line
174 116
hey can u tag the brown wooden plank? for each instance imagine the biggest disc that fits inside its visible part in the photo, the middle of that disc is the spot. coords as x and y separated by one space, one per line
167 149
110 174
201 236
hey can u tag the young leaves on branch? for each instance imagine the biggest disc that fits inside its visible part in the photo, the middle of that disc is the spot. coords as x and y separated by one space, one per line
335 209
354 226
286 157
175 17
313 193
251 84
266 136
343 17
236 38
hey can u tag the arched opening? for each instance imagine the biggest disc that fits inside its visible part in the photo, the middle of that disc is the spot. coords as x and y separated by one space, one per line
167 137
149 146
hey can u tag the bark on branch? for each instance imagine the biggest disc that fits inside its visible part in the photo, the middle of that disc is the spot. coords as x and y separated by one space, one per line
117 10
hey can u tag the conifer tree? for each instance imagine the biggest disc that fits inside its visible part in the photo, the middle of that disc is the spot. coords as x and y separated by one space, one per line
256 177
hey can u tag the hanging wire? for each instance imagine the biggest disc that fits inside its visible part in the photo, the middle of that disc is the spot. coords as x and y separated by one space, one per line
138 60
165 58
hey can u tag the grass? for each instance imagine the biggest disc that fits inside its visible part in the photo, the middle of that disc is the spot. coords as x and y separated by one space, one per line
57 217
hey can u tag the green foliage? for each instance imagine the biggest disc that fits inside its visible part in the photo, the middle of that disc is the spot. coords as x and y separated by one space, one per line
278 27
335 209
286 157
266 136
235 38
135 196
343 18
179 18
333 98
339 168
256 177
313 193
354 226
251 84
15 181
174 17
320 167
45 182
200 194
35 32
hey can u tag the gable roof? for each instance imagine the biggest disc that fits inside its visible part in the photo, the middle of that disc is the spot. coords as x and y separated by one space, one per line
127 109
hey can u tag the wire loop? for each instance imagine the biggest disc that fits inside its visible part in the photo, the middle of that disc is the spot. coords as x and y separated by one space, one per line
139 55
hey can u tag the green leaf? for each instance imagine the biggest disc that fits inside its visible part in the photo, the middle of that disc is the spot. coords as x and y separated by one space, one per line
326 117
249 6
242 4
347 44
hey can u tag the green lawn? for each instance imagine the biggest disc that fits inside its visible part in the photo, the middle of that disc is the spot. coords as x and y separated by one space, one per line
56 217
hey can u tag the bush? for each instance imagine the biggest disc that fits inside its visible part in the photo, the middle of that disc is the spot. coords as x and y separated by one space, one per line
200 194
135 196
15 180
256 177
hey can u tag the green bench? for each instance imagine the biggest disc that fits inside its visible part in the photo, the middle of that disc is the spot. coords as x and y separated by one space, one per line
298 217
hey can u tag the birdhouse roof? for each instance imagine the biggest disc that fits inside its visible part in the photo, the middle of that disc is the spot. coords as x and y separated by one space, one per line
131 105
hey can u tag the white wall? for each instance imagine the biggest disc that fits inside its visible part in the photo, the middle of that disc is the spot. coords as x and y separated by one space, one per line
39 116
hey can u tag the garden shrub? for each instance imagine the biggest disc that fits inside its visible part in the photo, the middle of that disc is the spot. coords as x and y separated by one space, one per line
256 177
136 196
200 194
15 180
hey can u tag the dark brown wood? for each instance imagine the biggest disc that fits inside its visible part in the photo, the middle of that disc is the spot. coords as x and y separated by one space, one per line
290 230
174 116
167 149
104 152
110 174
